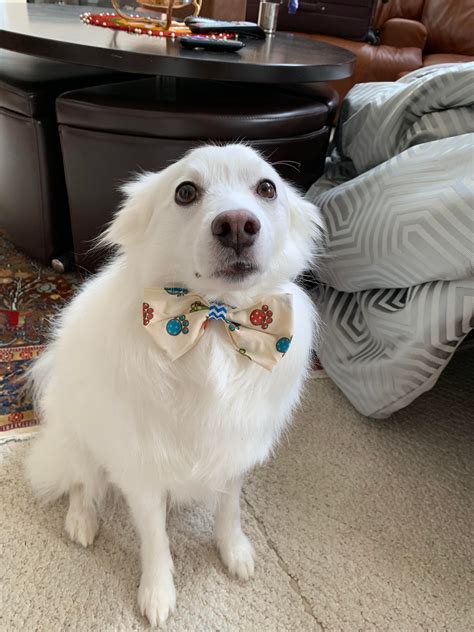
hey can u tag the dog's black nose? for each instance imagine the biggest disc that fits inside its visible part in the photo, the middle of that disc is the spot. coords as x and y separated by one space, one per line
236 229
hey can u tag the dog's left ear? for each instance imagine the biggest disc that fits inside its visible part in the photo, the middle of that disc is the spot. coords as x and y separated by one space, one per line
133 217
306 226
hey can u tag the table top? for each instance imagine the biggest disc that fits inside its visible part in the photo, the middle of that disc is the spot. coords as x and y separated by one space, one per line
56 32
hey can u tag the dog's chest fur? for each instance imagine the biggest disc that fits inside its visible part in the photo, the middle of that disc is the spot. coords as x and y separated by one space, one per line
224 417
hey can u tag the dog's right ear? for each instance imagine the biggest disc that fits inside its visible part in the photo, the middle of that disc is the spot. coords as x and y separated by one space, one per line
131 221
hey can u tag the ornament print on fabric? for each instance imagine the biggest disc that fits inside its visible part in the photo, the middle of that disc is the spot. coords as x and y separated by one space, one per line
283 344
257 332
176 291
262 317
197 306
178 325
147 313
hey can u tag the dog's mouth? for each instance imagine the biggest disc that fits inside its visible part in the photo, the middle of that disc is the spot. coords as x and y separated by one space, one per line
237 271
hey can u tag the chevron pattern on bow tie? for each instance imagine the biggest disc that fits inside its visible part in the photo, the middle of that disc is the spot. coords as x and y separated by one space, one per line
217 311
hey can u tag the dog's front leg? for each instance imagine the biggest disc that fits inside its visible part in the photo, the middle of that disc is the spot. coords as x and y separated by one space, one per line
235 548
156 594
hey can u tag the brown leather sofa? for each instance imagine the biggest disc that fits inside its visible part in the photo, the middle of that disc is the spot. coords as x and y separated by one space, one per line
412 34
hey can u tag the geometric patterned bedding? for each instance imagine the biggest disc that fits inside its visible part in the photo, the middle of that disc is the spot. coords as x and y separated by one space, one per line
396 286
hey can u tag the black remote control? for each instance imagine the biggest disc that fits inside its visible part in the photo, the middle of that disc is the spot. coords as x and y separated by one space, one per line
207 43
242 29
197 18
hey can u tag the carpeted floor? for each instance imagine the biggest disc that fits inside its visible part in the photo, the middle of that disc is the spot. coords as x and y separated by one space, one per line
359 525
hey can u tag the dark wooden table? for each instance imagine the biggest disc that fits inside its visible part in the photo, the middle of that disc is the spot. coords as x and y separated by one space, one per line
56 32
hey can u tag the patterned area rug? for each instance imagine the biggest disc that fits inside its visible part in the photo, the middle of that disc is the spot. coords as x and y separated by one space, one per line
30 296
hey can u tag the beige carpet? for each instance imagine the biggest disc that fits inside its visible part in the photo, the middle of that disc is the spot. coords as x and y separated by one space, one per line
358 525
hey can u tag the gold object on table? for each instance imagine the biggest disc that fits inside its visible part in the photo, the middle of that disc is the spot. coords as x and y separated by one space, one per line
166 6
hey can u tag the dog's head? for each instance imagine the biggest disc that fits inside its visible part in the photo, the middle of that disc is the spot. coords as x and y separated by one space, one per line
219 220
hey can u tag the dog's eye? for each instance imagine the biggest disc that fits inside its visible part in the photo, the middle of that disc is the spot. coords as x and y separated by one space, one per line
266 189
186 193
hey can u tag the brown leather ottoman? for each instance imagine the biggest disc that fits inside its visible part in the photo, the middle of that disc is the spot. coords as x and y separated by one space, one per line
110 132
33 201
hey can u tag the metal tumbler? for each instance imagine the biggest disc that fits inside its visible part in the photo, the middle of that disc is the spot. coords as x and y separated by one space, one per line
268 16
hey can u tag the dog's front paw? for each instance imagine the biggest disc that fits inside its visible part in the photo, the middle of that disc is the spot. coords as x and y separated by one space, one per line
82 525
238 555
157 600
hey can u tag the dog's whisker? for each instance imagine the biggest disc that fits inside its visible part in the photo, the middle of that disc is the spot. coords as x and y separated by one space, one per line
267 157
292 164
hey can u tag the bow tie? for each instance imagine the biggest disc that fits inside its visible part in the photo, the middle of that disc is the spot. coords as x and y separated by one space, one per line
176 319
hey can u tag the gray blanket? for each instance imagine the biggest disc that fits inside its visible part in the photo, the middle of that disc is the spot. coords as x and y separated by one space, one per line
397 285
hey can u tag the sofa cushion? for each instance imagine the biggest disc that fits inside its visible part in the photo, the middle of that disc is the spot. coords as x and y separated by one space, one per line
403 33
446 58
407 9
450 26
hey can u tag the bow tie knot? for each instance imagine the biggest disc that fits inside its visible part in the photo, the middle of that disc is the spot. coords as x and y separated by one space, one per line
217 311
262 332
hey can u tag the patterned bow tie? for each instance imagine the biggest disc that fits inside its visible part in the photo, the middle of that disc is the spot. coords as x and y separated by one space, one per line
176 319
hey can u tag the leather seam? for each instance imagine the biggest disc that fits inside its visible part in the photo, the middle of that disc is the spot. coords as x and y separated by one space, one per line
304 136
35 124
266 117
241 118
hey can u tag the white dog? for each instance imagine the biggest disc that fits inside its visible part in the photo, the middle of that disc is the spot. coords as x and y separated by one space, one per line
116 409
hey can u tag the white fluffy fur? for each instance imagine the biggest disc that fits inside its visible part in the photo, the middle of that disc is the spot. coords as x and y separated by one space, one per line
116 410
